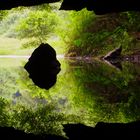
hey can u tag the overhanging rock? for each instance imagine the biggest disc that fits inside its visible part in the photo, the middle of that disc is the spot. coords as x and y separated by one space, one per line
8 4
101 6
98 6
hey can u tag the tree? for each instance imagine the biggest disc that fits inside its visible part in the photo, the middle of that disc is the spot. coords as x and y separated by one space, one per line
37 26
3 14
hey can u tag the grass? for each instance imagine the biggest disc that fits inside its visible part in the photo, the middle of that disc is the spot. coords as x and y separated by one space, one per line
12 62
12 46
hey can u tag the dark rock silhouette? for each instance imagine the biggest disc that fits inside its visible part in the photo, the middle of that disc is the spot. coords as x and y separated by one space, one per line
103 131
8 133
101 6
79 131
114 58
98 6
43 66
8 4
115 63
113 55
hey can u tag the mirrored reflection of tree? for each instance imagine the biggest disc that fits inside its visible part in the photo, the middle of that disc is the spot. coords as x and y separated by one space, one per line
113 93
92 90
47 110
7 81
3 112
27 107
42 120
86 92
39 121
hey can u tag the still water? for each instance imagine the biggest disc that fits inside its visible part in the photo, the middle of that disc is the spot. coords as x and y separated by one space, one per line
85 92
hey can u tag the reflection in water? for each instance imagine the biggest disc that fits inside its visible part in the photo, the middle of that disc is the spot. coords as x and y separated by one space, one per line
85 92
115 63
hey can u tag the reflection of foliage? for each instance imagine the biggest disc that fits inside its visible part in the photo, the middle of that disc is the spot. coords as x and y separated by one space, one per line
28 87
7 82
132 109
111 93
85 92
3 112
39 121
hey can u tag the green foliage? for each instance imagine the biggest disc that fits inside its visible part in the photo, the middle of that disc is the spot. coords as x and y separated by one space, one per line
132 21
84 92
38 26
95 35
80 32
3 14
42 120
94 92
8 82
11 20
112 94
35 24
72 29
3 112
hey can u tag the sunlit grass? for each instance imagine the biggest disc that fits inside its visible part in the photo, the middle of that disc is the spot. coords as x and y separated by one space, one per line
12 46
12 62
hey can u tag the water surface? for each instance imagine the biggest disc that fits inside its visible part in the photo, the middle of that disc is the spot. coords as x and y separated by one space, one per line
86 91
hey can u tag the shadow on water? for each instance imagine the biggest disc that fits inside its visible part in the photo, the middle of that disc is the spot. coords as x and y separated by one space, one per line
86 92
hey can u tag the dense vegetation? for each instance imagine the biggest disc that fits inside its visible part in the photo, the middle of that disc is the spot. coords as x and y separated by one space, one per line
72 32
85 93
